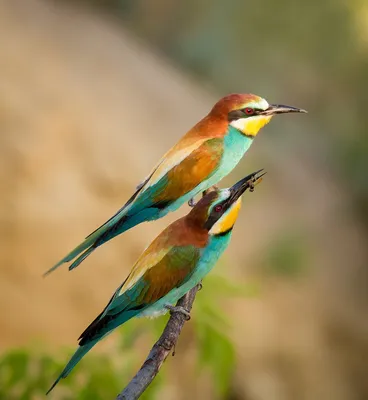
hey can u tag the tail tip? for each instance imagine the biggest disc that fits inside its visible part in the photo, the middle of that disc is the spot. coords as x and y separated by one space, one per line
53 385
52 269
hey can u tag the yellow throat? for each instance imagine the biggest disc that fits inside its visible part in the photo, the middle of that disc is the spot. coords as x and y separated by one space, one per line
227 221
250 126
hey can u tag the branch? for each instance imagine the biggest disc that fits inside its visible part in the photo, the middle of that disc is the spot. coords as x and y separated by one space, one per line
160 350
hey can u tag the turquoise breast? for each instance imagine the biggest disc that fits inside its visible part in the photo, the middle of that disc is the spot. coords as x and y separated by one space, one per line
235 146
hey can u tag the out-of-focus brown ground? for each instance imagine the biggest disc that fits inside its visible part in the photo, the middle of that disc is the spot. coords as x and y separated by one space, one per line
85 112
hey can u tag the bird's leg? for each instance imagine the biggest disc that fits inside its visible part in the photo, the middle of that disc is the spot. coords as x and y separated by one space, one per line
178 309
192 202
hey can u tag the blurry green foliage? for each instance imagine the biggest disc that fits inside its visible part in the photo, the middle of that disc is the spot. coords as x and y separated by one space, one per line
215 349
27 373
287 255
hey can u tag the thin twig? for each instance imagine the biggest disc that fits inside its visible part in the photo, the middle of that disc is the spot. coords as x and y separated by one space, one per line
160 350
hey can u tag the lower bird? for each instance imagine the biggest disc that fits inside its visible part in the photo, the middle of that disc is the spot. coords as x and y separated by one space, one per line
176 261
201 158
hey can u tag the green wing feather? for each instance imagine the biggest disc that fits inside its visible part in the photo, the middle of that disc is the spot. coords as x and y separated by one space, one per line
168 273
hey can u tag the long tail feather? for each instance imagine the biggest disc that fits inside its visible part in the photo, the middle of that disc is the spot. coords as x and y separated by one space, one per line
77 356
97 330
117 224
87 246
74 253
82 257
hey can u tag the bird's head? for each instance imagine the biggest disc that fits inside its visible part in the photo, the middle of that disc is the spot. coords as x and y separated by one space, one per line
249 113
218 210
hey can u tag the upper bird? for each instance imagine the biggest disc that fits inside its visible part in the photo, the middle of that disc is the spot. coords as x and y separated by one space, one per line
176 261
201 158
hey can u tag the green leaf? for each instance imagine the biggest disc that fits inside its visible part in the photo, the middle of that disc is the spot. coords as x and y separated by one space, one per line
217 352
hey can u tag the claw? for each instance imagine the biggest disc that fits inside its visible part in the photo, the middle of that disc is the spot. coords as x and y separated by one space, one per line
191 202
178 309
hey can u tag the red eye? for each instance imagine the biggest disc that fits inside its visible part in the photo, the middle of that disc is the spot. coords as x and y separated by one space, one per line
249 111
218 208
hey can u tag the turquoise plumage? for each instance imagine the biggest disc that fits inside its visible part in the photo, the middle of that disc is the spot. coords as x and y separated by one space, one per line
176 261
205 155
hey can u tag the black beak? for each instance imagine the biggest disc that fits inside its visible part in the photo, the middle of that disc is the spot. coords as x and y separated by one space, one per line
249 182
281 109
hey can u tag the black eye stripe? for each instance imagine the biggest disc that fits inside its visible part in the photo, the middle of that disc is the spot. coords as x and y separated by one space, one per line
237 114
216 215
254 110
234 115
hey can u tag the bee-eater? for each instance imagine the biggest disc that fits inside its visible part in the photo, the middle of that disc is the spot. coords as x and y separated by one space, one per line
176 261
201 158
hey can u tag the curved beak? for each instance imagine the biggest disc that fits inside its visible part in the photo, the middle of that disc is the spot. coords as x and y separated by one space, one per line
249 182
281 109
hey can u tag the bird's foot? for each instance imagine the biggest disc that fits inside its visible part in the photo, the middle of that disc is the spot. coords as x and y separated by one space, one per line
191 202
178 309
213 188
200 286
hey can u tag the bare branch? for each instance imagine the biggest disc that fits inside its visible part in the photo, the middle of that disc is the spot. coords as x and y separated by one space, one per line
160 350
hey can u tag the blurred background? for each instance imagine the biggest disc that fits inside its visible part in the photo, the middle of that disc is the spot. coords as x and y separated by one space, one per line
92 93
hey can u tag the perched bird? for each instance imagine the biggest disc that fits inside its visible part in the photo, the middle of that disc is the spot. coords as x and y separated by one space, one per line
176 261
205 155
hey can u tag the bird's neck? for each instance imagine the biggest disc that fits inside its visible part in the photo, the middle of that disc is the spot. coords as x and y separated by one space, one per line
218 243
238 142
190 232
237 134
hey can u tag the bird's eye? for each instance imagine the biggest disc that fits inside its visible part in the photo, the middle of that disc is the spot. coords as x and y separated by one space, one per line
218 208
249 111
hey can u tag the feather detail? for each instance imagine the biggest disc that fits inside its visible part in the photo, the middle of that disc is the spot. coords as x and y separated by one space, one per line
180 233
